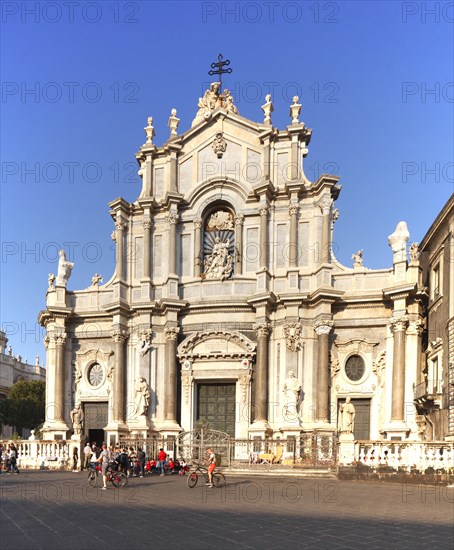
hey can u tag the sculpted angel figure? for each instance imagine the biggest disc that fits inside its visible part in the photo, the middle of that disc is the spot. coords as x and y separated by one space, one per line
64 269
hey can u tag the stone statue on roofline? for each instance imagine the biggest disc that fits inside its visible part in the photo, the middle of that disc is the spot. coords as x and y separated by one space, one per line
64 269
213 99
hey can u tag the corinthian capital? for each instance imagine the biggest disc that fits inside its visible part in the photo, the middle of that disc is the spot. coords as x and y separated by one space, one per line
147 222
172 218
323 327
119 334
325 206
171 333
120 224
293 209
263 210
398 324
198 223
262 329
239 220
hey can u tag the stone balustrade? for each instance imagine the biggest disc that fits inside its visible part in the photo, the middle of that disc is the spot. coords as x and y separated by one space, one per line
52 455
410 456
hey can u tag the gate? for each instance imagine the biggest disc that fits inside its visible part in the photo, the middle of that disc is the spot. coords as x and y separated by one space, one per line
192 446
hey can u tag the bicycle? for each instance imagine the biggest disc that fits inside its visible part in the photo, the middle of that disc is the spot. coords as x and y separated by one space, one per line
193 477
118 479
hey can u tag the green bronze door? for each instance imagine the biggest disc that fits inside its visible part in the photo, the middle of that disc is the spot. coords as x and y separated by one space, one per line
216 406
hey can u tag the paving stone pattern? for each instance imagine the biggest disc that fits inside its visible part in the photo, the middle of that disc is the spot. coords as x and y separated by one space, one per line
59 510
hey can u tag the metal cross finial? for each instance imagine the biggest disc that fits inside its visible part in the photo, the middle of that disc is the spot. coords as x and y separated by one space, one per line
219 68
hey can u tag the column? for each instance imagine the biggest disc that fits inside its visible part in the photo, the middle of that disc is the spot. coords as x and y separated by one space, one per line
326 245
322 329
293 244
172 218
119 336
263 237
261 373
170 396
60 340
239 221
147 247
398 327
197 247
120 226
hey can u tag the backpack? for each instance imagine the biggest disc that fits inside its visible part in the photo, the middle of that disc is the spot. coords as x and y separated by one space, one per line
218 459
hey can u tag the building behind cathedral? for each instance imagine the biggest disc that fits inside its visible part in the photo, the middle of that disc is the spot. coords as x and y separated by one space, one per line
228 306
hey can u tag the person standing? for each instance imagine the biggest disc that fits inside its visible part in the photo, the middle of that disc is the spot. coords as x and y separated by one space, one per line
104 458
87 455
162 456
141 458
75 458
13 459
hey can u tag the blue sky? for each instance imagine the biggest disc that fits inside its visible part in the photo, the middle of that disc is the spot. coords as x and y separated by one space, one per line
79 81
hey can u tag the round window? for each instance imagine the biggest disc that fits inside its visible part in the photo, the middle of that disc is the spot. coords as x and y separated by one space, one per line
95 374
355 368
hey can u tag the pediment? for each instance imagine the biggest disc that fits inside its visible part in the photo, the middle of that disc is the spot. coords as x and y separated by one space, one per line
216 344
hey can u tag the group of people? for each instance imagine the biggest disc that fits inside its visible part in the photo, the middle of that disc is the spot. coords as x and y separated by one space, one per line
129 460
8 459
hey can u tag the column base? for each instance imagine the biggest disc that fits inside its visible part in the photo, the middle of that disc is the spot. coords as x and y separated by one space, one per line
169 428
140 427
115 430
395 431
318 427
55 430
346 449
260 428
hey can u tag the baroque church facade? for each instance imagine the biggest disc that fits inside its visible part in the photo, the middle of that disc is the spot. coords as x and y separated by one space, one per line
228 305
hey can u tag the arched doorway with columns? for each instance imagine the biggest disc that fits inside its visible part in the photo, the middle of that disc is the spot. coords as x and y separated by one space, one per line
216 373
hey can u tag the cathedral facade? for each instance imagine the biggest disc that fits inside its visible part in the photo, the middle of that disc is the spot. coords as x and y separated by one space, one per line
228 306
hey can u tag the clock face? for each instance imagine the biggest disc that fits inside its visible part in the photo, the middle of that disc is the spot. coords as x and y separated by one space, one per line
95 374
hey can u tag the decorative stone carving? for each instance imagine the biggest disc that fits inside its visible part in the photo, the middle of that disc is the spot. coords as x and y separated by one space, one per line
171 333
247 348
358 259
378 368
323 327
336 215
264 210
267 109
239 220
398 242
295 110
120 224
198 223
219 145
335 368
398 323
245 381
293 209
64 269
172 218
414 254
142 396
147 222
119 334
77 374
325 206
77 418
187 384
218 264
262 329
144 345
113 236
346 420
149 131
51 280
173 123
292 333
221 220
110 372
96 279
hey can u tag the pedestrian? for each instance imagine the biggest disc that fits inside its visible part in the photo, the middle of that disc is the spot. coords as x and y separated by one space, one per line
87 455
75 458
133 461
162 456
141 458
13 459
104 458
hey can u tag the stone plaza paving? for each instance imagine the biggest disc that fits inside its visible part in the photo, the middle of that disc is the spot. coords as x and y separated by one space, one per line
44 509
